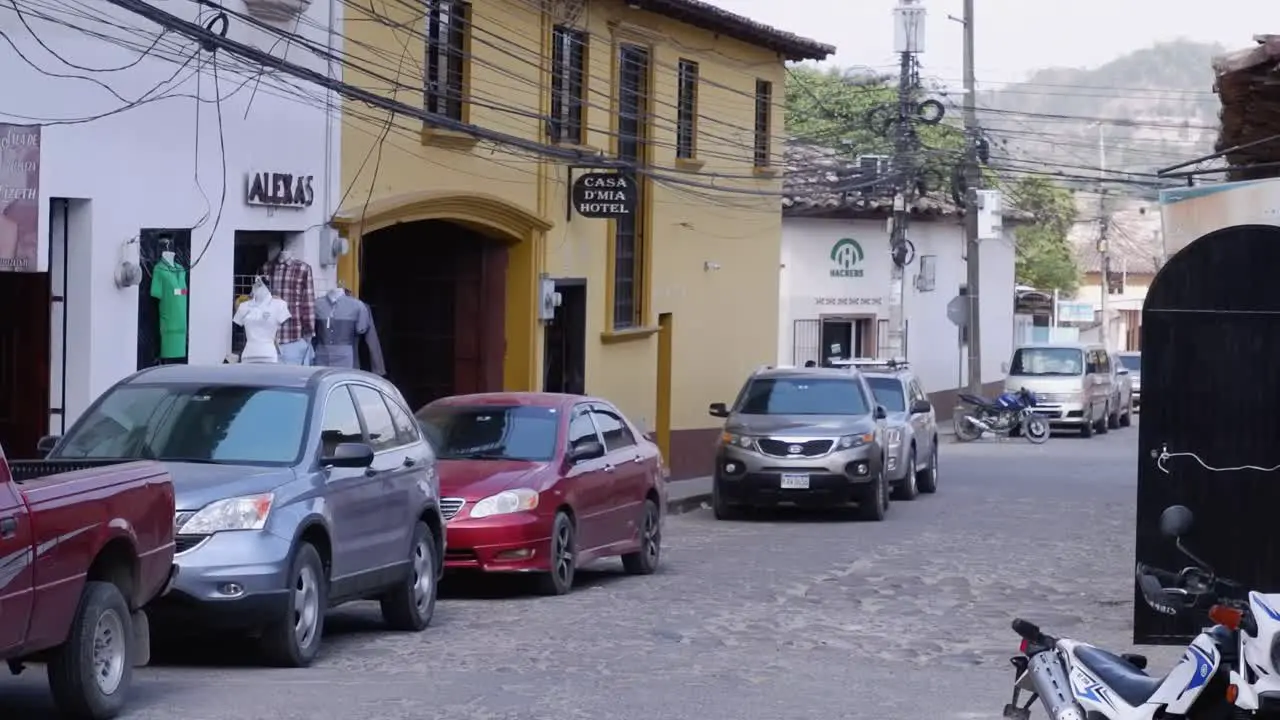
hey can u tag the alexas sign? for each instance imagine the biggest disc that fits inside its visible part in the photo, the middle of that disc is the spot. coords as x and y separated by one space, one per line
604 195
846 255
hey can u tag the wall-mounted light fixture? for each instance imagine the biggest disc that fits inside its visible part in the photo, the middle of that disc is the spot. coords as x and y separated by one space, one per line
708 266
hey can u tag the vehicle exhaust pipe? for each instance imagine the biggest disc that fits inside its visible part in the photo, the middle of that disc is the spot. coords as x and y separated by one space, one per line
977 423
1049 680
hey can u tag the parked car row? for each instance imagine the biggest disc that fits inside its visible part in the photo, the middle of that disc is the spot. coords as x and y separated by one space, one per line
1077 385
279 491
861 433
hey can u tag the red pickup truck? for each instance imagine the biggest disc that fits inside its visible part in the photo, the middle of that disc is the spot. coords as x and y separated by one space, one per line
83 547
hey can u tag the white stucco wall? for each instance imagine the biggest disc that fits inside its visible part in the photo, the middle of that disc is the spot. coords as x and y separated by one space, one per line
932 342
139 168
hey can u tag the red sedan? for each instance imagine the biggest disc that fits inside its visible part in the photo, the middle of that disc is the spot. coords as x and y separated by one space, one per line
545 483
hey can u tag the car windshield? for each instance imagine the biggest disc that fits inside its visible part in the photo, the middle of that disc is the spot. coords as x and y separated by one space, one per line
803 396
888 392
1132 362
1047 361
459 432
222 424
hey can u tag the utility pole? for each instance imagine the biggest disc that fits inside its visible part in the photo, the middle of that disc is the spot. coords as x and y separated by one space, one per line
972 180
1104 236
908 18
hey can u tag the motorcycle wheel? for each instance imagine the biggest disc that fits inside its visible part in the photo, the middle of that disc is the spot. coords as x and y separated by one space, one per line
965 430
1036 430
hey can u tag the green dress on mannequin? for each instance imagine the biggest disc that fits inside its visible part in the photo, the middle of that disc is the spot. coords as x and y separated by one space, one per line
169 287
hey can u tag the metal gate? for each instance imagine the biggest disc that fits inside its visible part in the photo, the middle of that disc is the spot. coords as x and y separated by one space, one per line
1210 333
805 341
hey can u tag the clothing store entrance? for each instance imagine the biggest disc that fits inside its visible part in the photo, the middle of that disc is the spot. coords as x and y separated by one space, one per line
437 291
24 361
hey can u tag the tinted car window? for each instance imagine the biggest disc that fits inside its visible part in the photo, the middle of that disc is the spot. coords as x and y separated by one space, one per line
341 424
582 430
614 430
803 396
1133 362
377 419
491 432
227 424
889 393
406 429
1062 362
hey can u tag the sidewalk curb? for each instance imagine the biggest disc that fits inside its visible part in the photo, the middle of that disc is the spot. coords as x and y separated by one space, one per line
688 504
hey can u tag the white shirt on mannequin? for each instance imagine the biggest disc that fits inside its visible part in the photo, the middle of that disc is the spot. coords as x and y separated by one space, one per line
261 317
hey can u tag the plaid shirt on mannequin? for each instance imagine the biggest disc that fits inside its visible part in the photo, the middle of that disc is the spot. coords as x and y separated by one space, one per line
291 281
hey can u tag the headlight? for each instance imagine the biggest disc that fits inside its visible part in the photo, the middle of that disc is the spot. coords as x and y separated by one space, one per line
505 503
893 436
853 441
741 441
240 513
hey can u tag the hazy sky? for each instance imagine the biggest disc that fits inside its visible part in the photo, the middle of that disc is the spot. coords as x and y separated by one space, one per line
1015 37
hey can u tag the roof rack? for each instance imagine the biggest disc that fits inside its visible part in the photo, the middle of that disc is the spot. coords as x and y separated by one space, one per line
895 363
762 368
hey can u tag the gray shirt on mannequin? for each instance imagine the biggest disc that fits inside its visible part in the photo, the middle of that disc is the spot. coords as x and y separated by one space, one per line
341 322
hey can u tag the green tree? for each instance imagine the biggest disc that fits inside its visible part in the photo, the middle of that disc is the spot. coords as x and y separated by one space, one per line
1044 257
850 109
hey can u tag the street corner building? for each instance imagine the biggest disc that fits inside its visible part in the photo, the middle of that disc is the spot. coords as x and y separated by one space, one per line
138 205
837 289
588 201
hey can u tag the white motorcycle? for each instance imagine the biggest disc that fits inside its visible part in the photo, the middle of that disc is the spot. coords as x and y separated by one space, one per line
1075 680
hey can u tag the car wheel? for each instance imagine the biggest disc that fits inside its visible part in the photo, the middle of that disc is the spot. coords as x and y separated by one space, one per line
1113 421
1103 422
90 673
645 560
294 640
719 506
875 504
1086 430
908 489
410 606
559 578
1127 418
927 479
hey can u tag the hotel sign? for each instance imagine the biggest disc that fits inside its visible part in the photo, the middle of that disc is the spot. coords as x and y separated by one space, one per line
609 195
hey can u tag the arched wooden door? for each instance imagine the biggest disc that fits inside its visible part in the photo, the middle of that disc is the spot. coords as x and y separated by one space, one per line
1211 389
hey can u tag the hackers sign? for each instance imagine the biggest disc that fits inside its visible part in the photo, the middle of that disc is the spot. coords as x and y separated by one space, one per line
280 190
605 195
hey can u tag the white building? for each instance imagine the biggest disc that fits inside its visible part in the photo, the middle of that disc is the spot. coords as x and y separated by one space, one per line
148 143
837 281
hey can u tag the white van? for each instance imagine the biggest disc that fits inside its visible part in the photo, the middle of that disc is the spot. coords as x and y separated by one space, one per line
1071 382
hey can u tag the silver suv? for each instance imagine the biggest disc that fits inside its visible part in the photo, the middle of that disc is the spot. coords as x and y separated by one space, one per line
803 436
911 433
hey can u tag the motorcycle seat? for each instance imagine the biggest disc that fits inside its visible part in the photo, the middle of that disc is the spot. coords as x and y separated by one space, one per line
975 400
1133 686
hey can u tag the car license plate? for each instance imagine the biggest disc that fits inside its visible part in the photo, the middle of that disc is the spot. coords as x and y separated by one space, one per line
792 481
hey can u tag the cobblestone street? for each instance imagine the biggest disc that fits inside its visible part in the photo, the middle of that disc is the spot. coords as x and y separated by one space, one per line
785 616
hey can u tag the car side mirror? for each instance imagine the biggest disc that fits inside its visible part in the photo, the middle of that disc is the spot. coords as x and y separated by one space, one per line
719 410
1176 521
1004 368
46 445
589 450
920 407
881 413
349 455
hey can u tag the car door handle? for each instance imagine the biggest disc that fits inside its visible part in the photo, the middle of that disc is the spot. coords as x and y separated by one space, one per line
410 462
637 459
8 527
608 468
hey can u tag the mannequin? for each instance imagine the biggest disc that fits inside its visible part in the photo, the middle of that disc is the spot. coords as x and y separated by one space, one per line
261 317
341 322
291 281
169 288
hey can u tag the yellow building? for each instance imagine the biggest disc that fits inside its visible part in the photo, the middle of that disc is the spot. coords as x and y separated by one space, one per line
457 239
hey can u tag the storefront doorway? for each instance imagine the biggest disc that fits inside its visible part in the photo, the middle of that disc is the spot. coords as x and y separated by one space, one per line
24 361
843 338
565 346
437 292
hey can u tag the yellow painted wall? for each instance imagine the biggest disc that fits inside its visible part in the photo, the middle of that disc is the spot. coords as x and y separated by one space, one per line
725 320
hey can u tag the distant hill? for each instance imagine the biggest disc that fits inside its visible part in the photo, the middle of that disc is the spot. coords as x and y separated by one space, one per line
1157 105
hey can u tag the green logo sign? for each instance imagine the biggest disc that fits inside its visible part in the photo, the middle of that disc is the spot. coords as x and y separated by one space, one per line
846 254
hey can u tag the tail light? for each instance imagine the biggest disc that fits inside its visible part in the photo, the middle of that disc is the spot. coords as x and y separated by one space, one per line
1227 617
1022 646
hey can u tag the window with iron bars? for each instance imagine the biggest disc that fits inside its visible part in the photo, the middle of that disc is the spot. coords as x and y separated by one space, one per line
687 111
764 124
568 85
629 234
445 74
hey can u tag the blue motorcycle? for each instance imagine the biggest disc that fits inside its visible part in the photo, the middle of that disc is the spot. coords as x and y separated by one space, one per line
1007 414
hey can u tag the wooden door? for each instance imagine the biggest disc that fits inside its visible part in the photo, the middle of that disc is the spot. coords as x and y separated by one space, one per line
24 361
